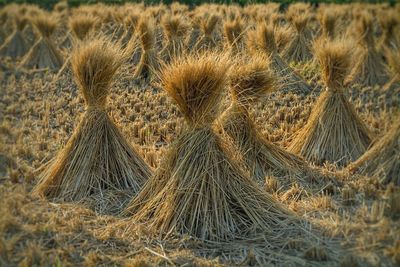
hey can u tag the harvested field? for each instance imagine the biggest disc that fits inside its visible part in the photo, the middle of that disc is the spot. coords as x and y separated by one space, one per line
210 135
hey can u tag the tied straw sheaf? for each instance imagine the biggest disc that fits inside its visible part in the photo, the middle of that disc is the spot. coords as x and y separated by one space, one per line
262 39
334 132
250 81
97 161
15 46
200 189
44 53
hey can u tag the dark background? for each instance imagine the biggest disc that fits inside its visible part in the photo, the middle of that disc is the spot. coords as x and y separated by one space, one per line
48 4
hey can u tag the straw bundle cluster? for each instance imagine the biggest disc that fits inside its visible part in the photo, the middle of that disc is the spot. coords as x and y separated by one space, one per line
44 53
382 160
262 39
199 189
369 69
97 158
250 82
15 46
334 132
175 30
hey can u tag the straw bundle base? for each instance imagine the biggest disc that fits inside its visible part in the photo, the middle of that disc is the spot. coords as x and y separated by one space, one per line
289 81
15 46
382 160
333 133
43 55
147 66
95 160
172 50
262 158
201 192
205 43
297 50
369 70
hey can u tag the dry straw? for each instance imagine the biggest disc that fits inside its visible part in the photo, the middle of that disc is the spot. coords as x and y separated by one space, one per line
389 23
298 49
262 39
15 46
199 189
382 160
175 31
81 26
130 22
327 19
392 88
369 69
334 132
195 31
44 53
250 80
234 33
148 63
208 27
97 159
61 6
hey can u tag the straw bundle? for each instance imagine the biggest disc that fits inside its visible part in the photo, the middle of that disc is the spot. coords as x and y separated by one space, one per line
334 132
327 19
148 58
61 6
393 86
233 31
44 53
130 22
262 39
298 49
389 22
208 27
97 158
195 31
175 30
199 190
369 68
81 25
250 82
382 160
15 46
